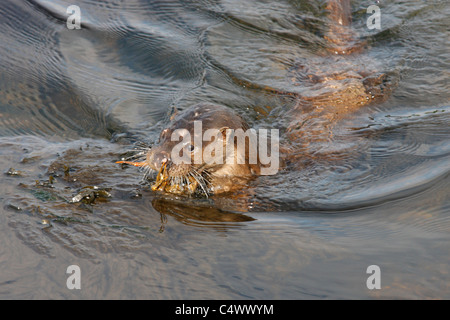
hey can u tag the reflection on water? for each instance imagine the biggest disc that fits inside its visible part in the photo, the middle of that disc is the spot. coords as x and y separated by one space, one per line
72 102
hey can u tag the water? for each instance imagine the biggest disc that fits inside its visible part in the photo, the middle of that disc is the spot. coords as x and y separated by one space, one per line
72 102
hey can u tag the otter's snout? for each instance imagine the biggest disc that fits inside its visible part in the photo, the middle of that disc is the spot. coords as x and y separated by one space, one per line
156 158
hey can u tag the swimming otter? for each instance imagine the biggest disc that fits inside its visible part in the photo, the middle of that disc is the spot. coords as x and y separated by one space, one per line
337 86
228 170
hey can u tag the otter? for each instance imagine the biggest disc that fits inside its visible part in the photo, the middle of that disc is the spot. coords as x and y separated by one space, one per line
229 170
338 88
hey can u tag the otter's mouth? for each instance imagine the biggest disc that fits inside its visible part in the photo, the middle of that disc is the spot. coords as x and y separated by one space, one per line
186 183
179 184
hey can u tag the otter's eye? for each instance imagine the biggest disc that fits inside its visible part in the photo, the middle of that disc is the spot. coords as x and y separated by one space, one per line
164 133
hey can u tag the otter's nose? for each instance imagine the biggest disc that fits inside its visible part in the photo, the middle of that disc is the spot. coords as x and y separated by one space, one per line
157 158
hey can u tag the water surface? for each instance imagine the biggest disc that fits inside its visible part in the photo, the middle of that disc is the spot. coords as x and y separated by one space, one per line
72 102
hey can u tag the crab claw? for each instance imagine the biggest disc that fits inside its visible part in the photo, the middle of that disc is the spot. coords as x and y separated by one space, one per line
161 178
136 164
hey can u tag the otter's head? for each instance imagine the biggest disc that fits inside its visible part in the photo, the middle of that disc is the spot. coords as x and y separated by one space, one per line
192 151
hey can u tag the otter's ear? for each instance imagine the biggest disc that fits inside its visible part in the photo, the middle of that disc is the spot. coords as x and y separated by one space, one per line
223 131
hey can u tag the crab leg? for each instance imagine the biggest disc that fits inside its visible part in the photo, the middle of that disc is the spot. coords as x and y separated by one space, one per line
136 164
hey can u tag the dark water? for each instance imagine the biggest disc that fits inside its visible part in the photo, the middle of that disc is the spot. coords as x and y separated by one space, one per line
74 101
